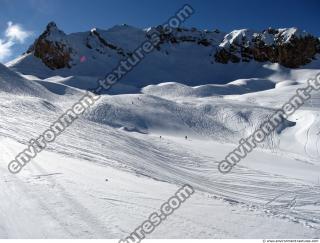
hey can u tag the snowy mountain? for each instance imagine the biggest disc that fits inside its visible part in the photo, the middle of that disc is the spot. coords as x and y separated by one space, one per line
168 123
188 56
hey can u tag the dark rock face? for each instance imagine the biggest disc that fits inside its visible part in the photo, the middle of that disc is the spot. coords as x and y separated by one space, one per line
224 56
180 35
297 53
292 52
51 49
95 34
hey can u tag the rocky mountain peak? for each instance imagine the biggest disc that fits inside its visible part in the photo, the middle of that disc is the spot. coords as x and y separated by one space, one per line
51 26
52 48
289 47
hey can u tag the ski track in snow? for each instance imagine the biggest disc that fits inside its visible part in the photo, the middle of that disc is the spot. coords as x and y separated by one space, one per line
63 193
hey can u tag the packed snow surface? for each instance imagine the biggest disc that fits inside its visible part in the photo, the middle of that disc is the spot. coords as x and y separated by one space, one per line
107 172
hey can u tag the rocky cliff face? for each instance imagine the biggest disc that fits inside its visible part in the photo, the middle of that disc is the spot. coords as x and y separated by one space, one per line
52 48
182 35
289 47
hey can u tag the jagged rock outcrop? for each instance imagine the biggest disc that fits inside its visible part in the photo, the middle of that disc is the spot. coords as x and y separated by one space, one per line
95 37
288 47
52 48
180 35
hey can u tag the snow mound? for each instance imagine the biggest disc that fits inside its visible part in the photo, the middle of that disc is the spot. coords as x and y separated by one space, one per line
286 83
11 82
241 86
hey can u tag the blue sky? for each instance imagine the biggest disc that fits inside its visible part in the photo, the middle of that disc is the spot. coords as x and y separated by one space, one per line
22 20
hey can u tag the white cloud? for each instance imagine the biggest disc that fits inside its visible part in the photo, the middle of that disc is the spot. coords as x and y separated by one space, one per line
5 49
14 34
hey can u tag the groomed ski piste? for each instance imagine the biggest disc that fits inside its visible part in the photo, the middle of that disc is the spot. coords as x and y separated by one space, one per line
110 169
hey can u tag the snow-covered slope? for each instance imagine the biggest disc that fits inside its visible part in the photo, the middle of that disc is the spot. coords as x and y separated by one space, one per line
275 188
11 82
128 153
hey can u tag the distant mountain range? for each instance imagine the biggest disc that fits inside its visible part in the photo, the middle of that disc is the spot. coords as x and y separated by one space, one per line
190 56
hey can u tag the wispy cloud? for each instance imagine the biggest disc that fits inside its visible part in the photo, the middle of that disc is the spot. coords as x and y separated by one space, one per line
13 35
15 32
5 49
